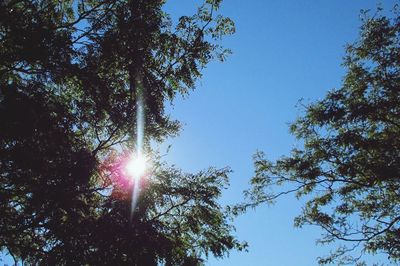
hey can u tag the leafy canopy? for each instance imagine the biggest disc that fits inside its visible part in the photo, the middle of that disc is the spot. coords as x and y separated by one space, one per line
348 166
69 76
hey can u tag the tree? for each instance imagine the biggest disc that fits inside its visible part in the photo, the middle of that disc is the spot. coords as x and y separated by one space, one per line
70 75
348 164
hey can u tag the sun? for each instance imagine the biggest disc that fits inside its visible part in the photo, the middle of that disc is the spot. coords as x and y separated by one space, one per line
136 166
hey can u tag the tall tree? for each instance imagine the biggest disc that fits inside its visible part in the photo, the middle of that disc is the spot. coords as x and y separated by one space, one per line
69 78
348 164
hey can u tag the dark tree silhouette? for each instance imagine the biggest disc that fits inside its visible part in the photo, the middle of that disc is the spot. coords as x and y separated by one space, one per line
348 166
69 72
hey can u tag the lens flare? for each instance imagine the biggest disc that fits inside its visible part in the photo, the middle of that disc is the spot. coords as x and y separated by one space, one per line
136 166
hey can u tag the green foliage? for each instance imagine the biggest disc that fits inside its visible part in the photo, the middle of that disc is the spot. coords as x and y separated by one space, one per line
68 77
348 166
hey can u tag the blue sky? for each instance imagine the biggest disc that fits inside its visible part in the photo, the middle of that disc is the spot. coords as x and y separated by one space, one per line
282 51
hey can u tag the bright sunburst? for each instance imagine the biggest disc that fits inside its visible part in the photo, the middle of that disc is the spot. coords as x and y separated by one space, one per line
136 166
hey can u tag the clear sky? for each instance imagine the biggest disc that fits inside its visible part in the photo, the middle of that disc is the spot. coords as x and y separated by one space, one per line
283 51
